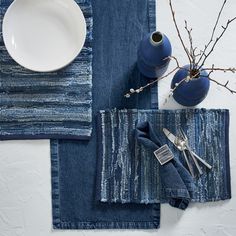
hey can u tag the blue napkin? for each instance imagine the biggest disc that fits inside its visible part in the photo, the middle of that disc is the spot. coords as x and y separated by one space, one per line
128 173
177 183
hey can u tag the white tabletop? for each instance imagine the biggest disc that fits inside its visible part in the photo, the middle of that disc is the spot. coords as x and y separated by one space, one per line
25 188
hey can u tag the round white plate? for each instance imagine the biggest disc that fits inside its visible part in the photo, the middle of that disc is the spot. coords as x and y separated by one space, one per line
44 35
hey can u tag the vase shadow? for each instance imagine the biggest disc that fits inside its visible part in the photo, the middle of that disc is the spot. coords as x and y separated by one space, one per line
136 80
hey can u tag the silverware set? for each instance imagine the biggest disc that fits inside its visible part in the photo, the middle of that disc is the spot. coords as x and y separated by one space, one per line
181 142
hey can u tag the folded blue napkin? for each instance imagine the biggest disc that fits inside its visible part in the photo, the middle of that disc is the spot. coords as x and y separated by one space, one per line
47 105
128 172
117 30
177 183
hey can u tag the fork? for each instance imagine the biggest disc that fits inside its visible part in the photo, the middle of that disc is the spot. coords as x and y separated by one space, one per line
196 156
180 144
185 140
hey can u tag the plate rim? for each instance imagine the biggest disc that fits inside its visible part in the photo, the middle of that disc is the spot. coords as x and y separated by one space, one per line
38 69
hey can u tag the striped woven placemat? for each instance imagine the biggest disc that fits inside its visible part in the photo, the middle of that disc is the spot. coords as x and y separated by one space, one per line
47 105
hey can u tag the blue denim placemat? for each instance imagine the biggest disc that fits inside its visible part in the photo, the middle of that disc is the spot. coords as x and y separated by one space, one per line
129 173
118 29
47 105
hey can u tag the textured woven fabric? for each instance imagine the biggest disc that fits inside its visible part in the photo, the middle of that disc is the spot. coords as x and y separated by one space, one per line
177 183
127 173
47 105
117 31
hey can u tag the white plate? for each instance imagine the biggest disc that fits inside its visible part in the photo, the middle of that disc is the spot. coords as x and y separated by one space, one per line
44 35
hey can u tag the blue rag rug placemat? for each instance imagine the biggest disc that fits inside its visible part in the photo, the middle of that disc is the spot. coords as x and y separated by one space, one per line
127 172
118 28
47 105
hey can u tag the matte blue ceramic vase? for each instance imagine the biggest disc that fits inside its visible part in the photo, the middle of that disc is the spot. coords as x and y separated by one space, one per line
153 54
192 92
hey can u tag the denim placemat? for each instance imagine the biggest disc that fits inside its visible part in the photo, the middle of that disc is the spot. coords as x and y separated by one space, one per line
47 105
117 31
129 173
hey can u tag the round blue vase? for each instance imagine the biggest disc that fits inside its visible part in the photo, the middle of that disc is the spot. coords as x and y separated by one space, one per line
192 92
153 52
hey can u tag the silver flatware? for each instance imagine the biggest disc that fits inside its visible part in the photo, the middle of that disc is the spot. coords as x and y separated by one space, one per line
196 156
185 141
181 146
180 143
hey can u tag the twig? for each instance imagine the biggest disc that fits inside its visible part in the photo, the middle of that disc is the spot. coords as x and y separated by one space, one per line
223 85
213 69
213 32
188 78
179 83
140 89
192 50
176 60
178 32
230 69
194 69
217 40
198 54
172 90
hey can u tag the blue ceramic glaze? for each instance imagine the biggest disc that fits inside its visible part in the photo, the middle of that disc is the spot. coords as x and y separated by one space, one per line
152 53
193 92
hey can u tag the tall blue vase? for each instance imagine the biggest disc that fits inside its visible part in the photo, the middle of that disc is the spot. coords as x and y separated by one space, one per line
192 92
153 54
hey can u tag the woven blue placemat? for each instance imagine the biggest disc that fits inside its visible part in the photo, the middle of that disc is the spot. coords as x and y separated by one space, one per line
47 105
127 172
118 28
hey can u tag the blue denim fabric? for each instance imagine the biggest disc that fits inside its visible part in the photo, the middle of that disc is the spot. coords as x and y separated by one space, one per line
47 105
118 29
177 183
126 173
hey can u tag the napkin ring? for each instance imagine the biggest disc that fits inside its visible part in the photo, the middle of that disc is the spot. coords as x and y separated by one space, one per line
163 154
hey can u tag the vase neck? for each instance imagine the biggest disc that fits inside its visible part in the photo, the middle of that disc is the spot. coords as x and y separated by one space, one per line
156 38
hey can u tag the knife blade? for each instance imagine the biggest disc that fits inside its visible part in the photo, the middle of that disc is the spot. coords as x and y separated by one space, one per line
174 138
170 136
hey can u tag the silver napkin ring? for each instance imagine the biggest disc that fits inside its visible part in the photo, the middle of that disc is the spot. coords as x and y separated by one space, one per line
163 154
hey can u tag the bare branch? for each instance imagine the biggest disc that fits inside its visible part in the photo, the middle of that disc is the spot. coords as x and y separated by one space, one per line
217 40
230 69
223 85
176 60
213 32
140 89
194 71
208 76
178 32
184 79
213 69
192 50
178 84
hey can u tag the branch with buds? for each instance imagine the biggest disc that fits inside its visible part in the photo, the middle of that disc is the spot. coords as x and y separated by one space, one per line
196 60
140 89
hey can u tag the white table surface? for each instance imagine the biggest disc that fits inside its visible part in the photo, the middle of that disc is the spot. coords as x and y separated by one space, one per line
25 190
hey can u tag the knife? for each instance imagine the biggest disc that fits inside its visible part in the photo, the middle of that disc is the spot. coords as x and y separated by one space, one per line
174 139
170 136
